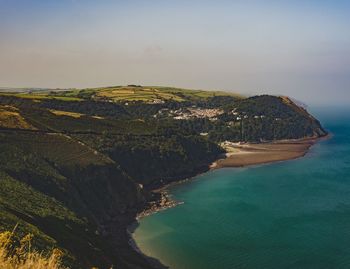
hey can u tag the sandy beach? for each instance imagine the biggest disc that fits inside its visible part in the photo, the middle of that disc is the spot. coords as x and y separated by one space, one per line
244 154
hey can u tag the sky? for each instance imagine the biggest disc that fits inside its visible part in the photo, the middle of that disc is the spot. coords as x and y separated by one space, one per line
295 48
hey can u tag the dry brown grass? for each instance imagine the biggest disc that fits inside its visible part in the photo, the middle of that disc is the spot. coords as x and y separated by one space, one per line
18 254
11 118
66 113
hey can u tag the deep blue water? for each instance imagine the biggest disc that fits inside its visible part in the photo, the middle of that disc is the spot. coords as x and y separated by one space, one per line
293 214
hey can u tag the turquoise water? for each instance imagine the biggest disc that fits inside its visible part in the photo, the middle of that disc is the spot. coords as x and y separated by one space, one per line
293 214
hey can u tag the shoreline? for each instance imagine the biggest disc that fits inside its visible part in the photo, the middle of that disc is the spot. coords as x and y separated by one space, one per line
287 150
247 154
240 155
165 202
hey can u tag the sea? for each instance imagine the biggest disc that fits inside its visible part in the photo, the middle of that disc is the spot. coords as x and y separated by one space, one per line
292 214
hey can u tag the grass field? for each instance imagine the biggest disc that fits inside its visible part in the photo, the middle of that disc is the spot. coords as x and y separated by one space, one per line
154 94
148 94
43 95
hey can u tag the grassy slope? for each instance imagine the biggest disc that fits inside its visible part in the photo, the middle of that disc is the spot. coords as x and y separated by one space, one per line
37 96
45 178
32 186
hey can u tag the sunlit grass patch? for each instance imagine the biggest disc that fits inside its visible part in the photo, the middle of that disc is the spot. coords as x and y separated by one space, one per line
11 118
66 113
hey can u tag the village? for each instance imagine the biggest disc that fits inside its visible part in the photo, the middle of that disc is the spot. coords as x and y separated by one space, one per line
190 113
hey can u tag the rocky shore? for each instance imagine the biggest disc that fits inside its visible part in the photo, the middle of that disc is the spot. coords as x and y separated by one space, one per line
164 202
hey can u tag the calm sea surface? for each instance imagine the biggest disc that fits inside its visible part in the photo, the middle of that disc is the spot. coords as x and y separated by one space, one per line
294 214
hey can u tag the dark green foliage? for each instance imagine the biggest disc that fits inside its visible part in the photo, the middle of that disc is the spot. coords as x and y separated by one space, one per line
149 159
91 108
217 101
281 120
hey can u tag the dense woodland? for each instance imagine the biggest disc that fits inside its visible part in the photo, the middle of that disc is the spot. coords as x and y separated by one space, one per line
77 180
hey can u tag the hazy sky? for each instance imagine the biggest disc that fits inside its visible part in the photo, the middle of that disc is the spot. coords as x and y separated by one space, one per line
296 48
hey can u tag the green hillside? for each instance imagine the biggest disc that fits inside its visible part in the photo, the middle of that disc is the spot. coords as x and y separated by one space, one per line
131 93
76 166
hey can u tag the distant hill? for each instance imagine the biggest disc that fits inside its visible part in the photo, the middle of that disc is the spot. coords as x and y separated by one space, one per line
130 93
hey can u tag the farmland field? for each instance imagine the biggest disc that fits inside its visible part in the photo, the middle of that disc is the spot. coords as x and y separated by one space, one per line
148 94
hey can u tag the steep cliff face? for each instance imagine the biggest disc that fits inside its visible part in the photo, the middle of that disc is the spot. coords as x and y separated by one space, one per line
110 200
314 124
79 199
74 200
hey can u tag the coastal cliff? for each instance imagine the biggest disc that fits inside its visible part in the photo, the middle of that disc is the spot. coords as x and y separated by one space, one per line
76 173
